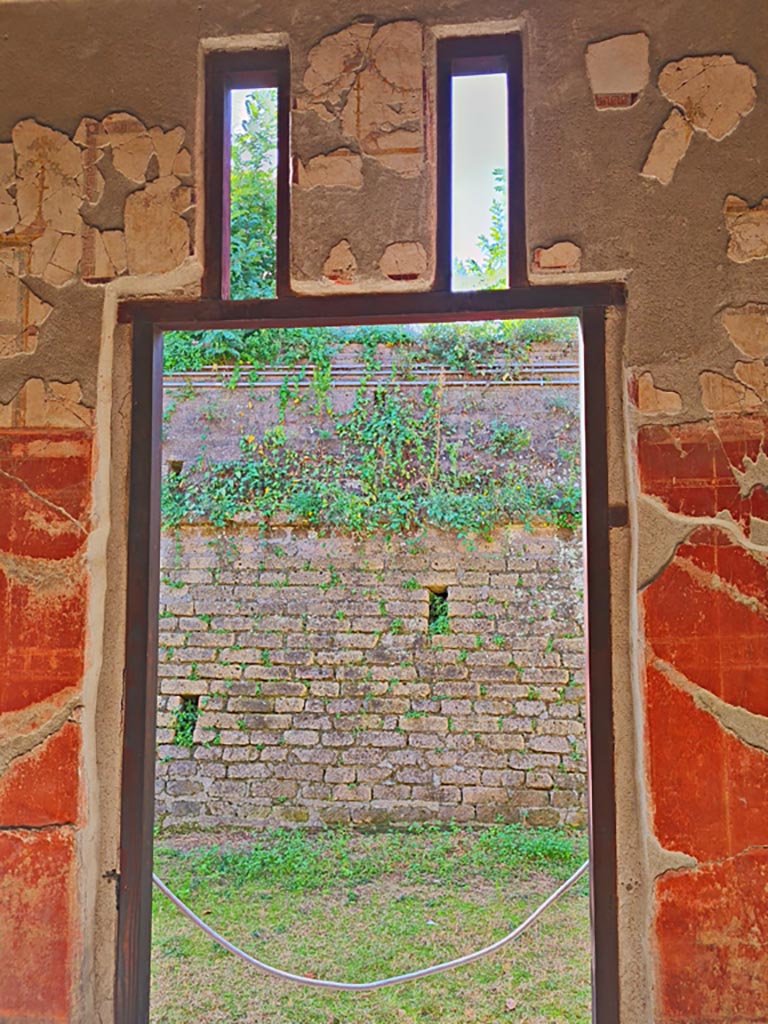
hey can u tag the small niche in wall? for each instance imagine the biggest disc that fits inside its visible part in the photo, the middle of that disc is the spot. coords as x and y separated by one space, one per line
437 617
184 721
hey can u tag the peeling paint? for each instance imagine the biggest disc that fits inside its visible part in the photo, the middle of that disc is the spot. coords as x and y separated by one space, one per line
340 265
559 258
668 149
618 70
747 229
655 401
747 327
713 92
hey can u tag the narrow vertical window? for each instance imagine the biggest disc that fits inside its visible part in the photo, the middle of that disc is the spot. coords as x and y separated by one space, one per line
480 173
481 190
253 193
247 204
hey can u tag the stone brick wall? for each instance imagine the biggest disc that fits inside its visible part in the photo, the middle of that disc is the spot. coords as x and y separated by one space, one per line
324 698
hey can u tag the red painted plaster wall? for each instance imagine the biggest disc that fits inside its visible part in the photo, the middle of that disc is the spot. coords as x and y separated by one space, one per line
46 484
706 632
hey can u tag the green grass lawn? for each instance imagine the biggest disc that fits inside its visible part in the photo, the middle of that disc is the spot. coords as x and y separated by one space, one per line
355 907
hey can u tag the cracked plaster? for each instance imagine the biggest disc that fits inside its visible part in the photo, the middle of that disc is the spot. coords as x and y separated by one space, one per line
176 172
668 149
73 211
713 92
340 168
711 95
721 394
370 83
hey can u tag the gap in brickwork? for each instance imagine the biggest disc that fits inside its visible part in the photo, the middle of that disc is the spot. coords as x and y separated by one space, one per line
438 621
185 716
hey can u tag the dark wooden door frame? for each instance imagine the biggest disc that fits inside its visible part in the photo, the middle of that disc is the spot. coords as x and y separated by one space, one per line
149 319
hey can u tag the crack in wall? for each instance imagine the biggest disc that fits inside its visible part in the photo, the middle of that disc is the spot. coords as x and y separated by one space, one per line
18 746
658 529
48 504
743 725
714 582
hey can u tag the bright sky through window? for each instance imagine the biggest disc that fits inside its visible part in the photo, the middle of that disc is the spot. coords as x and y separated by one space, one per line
479 145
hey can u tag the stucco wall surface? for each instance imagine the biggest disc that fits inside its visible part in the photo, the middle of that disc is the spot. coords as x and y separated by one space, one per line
647 154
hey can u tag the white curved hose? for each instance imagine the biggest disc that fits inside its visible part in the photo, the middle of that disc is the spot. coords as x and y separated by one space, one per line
368 986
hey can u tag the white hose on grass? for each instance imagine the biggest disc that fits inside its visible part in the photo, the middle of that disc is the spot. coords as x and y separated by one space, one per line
369 986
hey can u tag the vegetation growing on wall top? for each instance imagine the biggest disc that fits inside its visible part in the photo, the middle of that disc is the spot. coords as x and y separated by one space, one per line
391 462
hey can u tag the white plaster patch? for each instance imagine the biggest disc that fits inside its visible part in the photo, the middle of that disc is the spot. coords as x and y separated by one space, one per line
755 376
668 149
747 327
655 401
167 146
156 236
371 84
714 92
340 265
747 229
54 405
618 70
721 394
49 176
404 261
339 169
332 65
557 259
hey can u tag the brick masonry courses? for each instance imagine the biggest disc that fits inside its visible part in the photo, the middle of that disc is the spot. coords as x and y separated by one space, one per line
323 699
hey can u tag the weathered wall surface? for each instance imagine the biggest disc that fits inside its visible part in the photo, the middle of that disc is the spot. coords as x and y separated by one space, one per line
652 165
323 697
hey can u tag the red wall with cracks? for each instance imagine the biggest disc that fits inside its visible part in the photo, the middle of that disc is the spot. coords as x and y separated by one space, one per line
706 632
46 483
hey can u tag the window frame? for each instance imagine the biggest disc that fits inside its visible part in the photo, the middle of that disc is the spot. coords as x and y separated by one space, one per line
225 71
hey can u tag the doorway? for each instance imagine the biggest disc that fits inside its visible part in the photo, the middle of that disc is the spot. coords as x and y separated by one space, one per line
149 319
